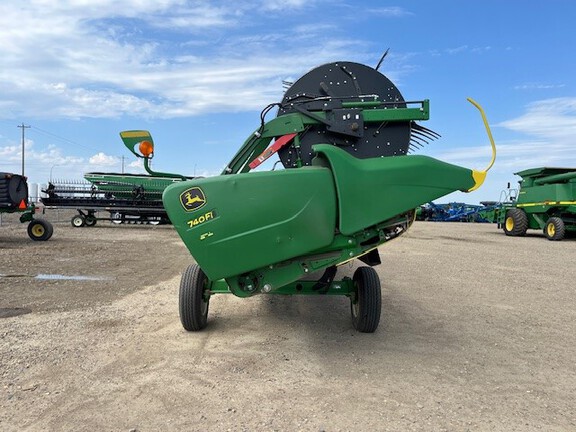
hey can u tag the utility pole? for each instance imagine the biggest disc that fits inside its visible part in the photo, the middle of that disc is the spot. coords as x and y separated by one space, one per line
23 126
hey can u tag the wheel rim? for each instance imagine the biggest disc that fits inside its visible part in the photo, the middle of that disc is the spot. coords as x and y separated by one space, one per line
355 309
204 306
354 303
77 222
205 298
551 229
509 223
38 230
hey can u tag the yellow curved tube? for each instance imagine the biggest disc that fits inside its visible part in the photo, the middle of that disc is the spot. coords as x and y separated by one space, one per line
479 176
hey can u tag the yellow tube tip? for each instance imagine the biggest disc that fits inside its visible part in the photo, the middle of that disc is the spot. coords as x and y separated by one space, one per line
478 177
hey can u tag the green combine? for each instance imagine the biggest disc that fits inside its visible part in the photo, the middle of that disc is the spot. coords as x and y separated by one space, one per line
546 201
343 133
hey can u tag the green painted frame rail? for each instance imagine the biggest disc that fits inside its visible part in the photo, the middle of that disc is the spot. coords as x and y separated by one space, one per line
298 122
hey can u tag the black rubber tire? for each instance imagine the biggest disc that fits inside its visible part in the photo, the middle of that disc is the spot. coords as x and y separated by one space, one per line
78 221
366 303
192 302
40 230
90 221
13 190
516 222
555 229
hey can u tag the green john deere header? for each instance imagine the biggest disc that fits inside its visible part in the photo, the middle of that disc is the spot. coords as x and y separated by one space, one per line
344 135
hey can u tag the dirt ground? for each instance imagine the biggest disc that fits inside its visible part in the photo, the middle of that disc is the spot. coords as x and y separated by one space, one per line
478 333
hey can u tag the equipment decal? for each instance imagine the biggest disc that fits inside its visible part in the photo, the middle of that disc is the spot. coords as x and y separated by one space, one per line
206 235
192 199
201 219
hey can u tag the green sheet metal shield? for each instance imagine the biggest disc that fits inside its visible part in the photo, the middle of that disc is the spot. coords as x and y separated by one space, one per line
253 220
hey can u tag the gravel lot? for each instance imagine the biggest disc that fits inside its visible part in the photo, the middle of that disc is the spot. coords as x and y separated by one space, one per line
478 332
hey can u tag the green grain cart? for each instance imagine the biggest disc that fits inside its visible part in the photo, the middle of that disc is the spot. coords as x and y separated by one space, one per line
546 201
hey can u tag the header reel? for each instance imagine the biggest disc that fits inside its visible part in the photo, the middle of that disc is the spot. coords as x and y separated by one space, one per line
346 99
348 105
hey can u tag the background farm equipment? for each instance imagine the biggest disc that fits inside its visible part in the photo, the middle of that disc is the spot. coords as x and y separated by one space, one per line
14 199
124 198
546 201
122 203
343 133
487 212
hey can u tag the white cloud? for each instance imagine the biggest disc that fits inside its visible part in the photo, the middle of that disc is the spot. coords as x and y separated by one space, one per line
552 119
103 160
457 50
391 11
538 86
465 49
11 153
548 128
274 5
136 165
106 59
512 155
41 164
197 16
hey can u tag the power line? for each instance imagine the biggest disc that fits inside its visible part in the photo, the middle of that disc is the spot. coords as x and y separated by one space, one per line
58 137
66 140
36 129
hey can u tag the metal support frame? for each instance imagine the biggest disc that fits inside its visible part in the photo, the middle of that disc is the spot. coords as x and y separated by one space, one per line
343 287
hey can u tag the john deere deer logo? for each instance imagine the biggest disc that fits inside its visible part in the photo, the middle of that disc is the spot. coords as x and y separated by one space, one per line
192 199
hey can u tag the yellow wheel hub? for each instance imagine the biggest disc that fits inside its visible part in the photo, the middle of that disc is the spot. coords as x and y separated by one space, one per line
38 230
551 229
509 224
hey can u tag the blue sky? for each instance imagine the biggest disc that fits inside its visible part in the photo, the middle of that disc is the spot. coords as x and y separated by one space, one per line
197 73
